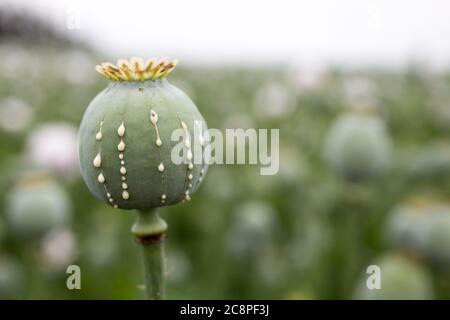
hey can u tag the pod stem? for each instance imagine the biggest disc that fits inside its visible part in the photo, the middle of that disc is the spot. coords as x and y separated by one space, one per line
149 231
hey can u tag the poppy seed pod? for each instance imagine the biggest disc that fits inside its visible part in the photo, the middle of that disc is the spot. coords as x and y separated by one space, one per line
36 205
407 228
357 146
125 141
251 234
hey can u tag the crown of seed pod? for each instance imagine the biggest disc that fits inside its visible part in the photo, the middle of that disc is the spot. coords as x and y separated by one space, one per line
125 138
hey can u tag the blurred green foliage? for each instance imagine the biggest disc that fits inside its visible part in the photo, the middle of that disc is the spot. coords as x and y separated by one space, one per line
305 233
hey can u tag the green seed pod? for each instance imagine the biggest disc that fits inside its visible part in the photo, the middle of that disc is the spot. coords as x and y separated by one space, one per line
251 234
357 146
407 227
125 138
401 278
36 205
423 228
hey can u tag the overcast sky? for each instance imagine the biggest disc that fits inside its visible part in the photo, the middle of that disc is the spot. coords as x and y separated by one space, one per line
302 32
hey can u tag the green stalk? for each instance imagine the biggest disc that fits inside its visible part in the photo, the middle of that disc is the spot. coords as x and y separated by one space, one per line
149 231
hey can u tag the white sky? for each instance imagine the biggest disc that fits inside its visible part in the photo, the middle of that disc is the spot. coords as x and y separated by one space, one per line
303 32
